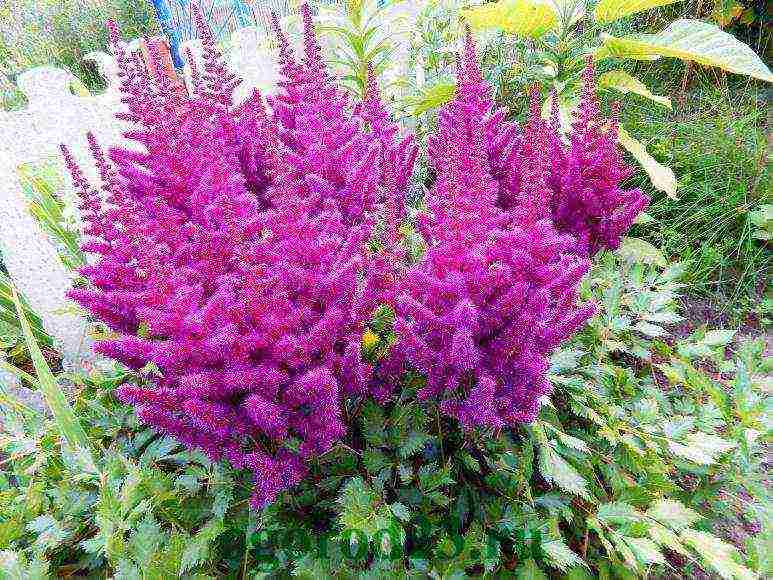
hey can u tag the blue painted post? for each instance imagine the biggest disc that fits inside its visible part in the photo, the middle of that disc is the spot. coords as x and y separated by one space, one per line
242 13
164 16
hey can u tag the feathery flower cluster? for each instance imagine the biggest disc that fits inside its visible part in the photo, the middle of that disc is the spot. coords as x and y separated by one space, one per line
231 253
495 292
575 180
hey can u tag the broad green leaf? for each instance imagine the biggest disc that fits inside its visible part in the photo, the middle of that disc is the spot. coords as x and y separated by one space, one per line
623 82
662 177
527 18
691 40
640 251
611 10
68 424
673 514
431 98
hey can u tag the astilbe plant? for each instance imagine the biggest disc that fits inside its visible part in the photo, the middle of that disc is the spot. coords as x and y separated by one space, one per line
240 252
575 179
231 254
495 292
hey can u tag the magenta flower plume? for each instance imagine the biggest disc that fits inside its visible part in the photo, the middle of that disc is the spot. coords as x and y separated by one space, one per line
231 254
494 294
575 180
588 200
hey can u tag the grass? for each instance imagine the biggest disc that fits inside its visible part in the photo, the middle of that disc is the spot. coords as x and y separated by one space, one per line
715 141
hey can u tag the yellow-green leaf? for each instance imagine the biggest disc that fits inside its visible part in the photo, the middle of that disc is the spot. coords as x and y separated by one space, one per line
73 435
691 40
720 555
528 18
623 82
611 10
431 98
641 251
662 177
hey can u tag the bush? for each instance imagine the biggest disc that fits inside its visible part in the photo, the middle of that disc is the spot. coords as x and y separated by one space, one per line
250 269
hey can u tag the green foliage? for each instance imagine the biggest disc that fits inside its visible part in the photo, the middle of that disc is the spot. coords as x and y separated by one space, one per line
552 40
648 449
718 154
61 33
43 185
360 42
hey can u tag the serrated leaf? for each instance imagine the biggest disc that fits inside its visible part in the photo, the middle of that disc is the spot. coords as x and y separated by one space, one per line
718 554
555 469
525 18
573 442
530 571
401 511
640 251
718 337
649 329
617 513
662 177
662 536
691 40
560 556
673 514
701 448
412 444
611 10
645 550
663 317
49 532
624 82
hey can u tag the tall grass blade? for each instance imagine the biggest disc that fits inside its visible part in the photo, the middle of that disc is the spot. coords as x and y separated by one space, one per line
71 430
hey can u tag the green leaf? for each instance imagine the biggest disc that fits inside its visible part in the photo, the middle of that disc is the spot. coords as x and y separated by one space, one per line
530 571
719 555
701 448
560 556
666 538
649 329
431 98
611 10
718 337
555 469
618 513
526 18
401 511
623 82
662 177
644 217
673 514
645 550
69 427
691 40
640 251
